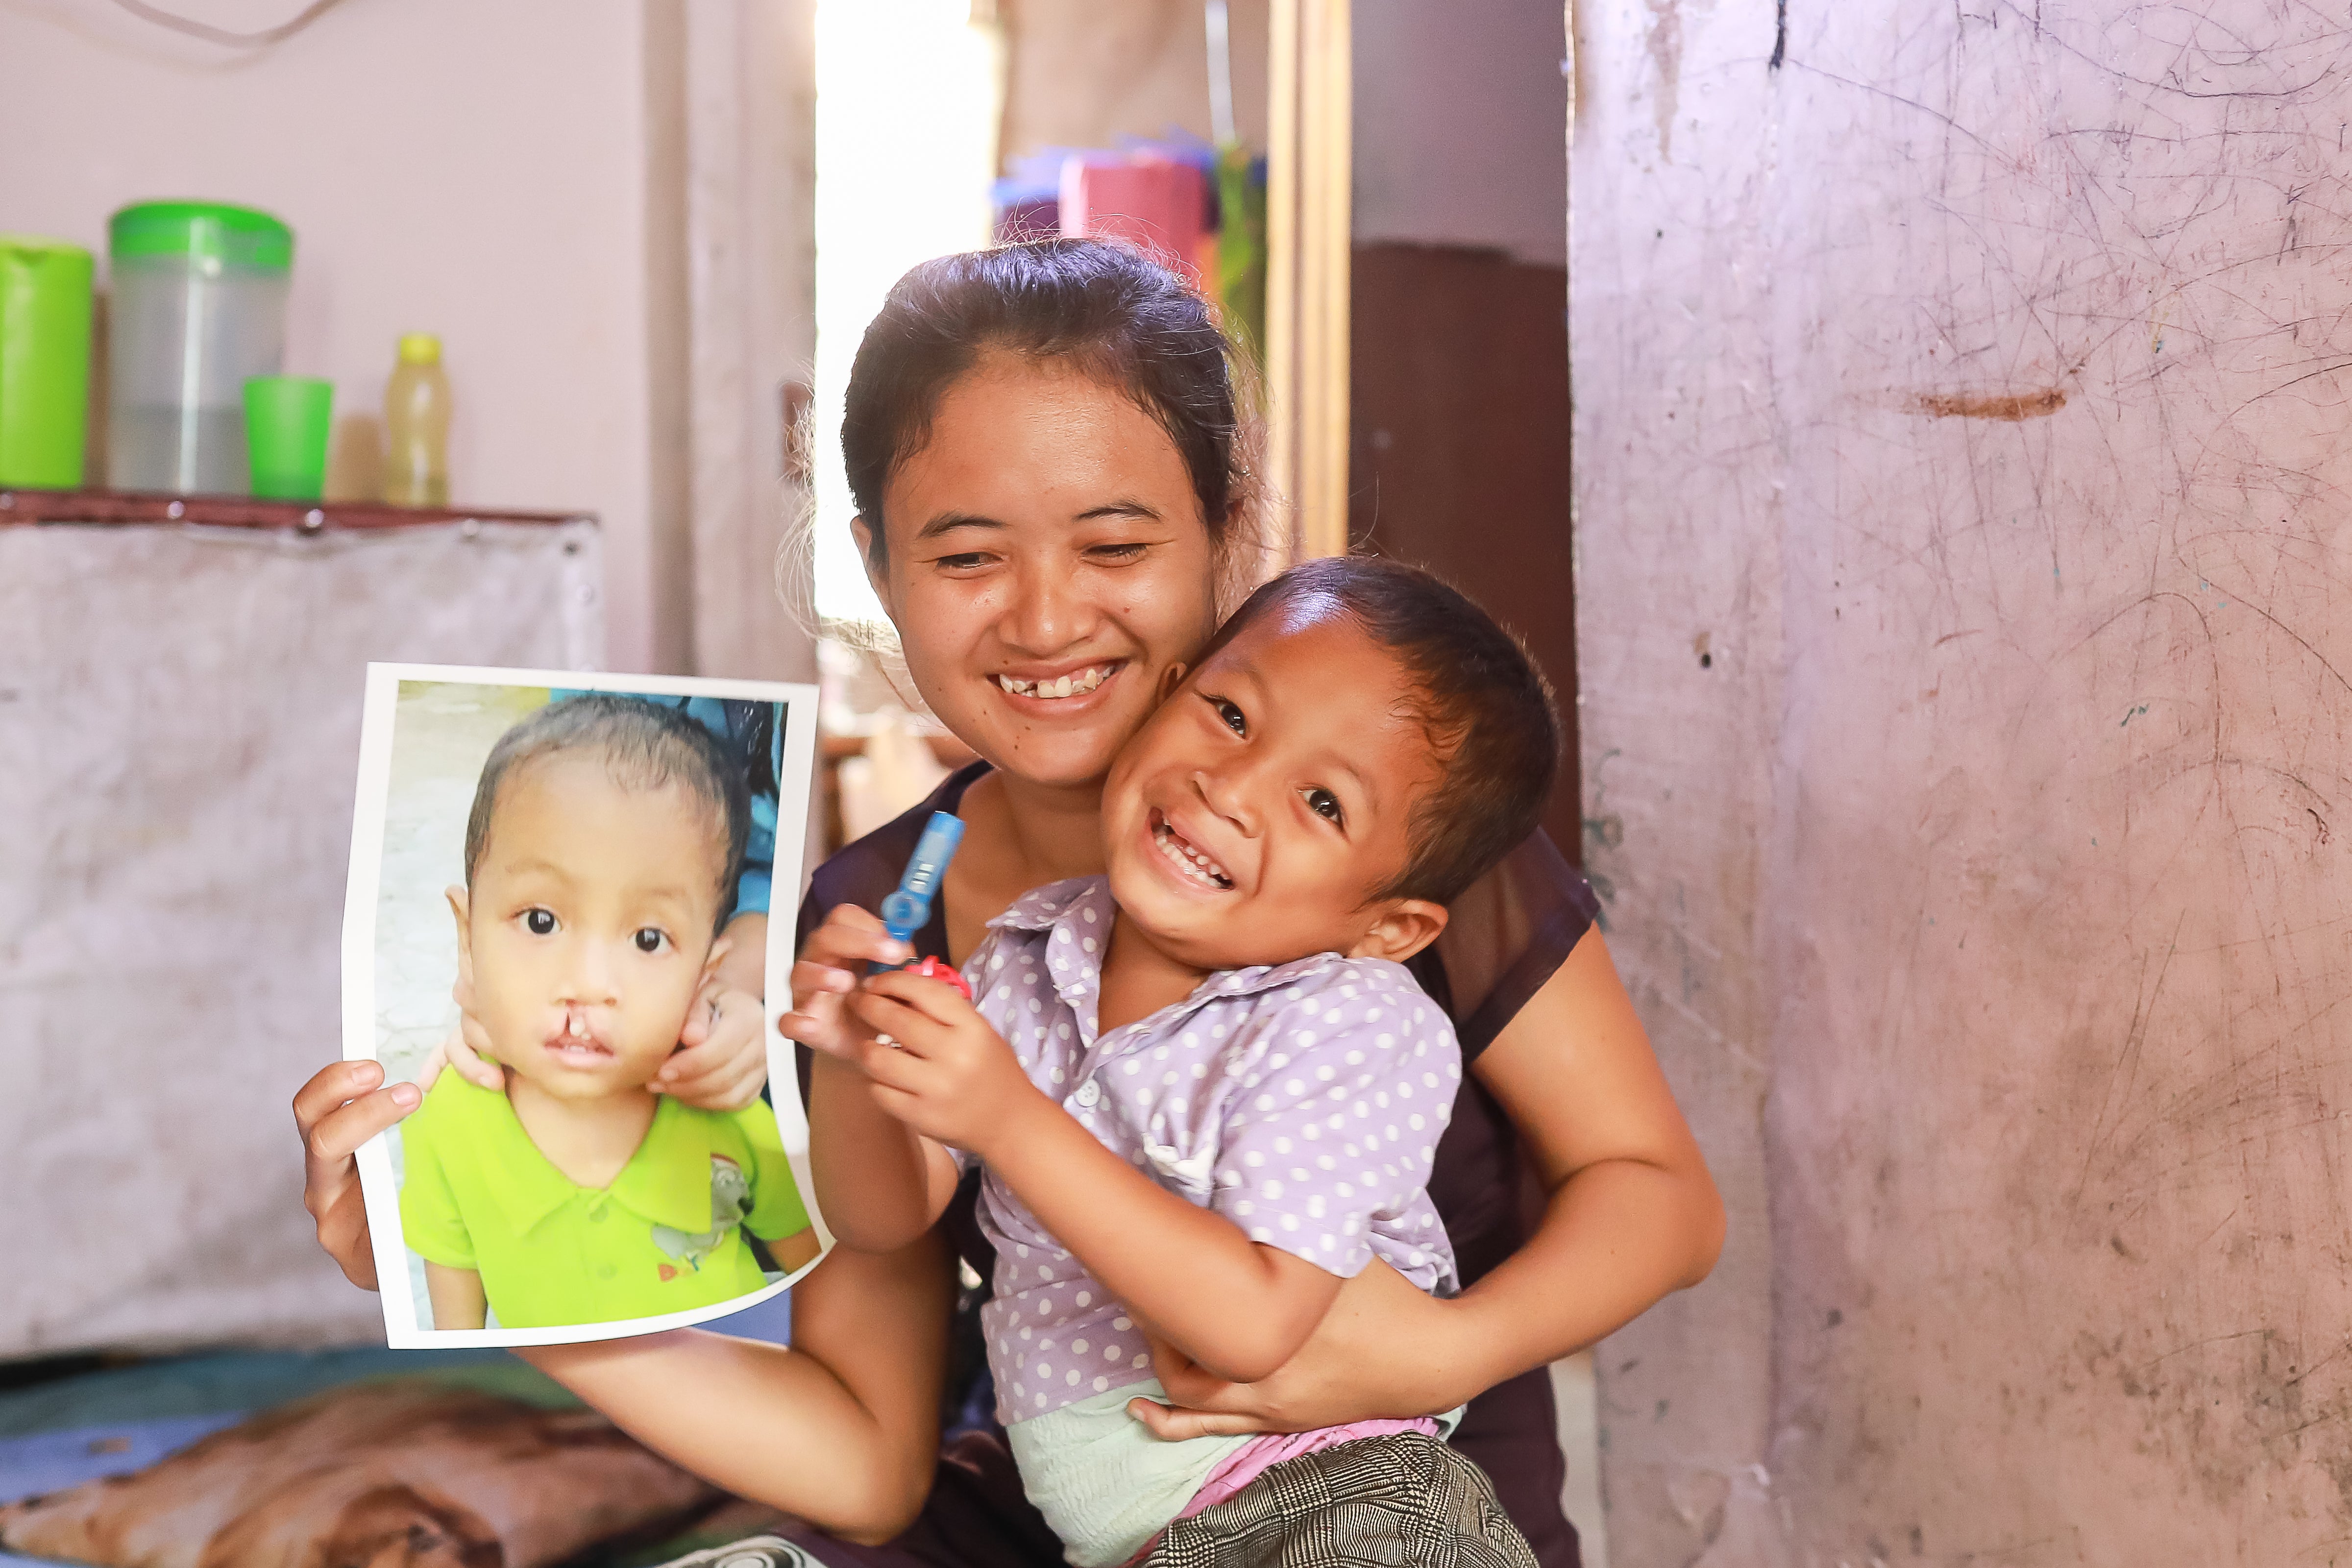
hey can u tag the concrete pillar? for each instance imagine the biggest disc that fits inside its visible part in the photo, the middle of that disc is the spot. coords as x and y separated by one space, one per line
1965 613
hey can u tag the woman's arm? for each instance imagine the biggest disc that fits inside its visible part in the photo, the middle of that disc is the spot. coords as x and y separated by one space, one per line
879 1184
1630 1214
840 1430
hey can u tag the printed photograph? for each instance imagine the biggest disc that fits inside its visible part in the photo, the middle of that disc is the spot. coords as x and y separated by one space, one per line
562 886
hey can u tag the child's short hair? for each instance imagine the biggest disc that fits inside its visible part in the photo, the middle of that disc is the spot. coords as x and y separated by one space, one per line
1486 708
645 746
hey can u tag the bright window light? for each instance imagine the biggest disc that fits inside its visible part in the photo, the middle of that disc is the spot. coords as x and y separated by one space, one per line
909 93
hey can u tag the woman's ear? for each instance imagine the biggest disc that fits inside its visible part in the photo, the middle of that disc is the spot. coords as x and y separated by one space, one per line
1404 928
459 904
863 532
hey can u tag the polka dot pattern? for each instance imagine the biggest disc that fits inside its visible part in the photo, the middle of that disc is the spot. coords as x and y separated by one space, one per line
1304 1102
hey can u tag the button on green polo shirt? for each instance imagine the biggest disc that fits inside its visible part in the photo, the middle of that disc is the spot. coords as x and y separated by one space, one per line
667 1236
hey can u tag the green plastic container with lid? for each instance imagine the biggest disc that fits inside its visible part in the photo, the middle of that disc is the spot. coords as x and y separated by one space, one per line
45 293
197 308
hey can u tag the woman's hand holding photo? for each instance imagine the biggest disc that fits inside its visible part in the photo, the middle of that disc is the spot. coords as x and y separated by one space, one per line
342 1107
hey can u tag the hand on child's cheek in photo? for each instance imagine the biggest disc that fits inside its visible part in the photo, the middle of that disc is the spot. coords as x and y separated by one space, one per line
936 1064
1047 529
1259 813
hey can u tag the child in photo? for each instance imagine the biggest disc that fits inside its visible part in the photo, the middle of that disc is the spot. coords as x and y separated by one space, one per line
601 860
1203 1088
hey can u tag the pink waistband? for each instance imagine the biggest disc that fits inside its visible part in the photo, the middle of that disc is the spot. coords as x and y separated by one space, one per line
1244 1464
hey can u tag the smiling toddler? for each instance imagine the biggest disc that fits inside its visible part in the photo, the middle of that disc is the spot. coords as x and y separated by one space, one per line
1204 1089
601 857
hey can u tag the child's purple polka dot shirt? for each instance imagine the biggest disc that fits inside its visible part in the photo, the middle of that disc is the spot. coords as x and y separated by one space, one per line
1303 1102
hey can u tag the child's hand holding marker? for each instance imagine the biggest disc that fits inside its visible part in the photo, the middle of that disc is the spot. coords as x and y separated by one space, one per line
936 1064
827 973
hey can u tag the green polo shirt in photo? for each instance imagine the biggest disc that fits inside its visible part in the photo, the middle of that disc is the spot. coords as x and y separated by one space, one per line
667 1236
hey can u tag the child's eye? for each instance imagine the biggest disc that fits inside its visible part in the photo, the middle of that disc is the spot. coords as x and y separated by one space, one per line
1326 805
1235 719
539 922
651 939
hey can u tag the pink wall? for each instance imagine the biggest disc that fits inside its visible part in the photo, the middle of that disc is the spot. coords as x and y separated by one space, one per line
481 171
1965 605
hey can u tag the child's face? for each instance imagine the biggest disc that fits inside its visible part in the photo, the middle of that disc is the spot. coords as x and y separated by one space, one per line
588 930
1258 811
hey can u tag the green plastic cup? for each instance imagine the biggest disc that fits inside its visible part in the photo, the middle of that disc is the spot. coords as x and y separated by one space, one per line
287 421
44 361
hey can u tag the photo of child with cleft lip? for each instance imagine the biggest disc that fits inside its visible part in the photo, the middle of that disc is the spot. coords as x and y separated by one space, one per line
600 856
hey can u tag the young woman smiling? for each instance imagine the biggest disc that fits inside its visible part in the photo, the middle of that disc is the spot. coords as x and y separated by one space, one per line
1048 463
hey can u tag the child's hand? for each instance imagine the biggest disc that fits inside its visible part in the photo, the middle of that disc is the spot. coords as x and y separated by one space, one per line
936 1064
722 1058
827 973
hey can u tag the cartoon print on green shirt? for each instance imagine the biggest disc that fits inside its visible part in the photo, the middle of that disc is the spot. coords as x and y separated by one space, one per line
730 1202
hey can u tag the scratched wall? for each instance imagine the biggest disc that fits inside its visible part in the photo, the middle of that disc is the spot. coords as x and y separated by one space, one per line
1965 612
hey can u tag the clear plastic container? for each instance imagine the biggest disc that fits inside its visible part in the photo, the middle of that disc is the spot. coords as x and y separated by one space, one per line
197 305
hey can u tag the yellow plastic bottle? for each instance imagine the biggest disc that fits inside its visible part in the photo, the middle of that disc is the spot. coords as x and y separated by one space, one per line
416 425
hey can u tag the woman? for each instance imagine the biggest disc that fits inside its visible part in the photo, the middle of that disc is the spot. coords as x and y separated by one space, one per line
1045 451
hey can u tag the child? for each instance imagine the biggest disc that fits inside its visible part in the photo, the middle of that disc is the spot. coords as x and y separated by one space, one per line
601 857
1221 1091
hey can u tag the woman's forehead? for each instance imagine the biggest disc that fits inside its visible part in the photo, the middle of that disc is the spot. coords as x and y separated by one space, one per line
1038 438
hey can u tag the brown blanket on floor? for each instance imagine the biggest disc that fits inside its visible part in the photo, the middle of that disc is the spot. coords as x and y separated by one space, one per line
394 1474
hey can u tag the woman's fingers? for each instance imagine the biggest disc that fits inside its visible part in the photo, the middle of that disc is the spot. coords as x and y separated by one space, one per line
1175 1424
340 1108
330 1086
336 1137
850 936
810 980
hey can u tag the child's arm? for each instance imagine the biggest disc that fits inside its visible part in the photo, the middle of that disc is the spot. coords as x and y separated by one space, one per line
792 1251
458 1302
879 1183
1186 1274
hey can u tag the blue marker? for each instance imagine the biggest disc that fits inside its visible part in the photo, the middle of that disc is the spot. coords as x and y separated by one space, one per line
905 911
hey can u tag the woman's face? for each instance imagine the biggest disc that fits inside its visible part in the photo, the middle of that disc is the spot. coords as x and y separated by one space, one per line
1048 567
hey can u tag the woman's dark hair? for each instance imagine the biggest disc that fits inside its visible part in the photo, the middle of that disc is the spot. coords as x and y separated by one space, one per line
1110 312
1486 707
